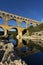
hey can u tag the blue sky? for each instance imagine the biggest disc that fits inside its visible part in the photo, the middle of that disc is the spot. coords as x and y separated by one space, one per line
27 8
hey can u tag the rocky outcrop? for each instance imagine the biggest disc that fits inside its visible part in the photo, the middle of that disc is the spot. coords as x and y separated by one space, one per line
9 57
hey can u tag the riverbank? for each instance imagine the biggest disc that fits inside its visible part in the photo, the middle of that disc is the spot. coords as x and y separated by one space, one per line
33 37
38 40
8 55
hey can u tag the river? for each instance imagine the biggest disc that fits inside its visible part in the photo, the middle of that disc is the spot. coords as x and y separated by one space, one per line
34 58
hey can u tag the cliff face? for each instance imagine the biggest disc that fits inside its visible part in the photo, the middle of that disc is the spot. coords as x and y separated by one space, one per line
8 56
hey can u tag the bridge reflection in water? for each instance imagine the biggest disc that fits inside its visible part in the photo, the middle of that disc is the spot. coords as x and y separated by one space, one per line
24 49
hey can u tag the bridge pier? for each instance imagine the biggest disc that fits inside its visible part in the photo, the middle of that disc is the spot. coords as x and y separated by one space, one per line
19 36
27 28
19 31
5 32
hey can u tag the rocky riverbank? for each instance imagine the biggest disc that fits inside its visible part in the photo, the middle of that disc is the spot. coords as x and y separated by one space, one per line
38 40
8 55
33 37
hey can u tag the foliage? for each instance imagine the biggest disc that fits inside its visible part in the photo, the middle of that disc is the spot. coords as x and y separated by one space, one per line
13 34
38 28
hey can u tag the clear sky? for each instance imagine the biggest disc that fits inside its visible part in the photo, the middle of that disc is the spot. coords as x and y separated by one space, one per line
28 8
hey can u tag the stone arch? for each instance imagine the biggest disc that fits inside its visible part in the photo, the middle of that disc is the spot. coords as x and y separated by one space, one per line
1 20
12 22
1 31
23 24
13 31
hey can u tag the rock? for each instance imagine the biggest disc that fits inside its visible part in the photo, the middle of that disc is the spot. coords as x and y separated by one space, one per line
9 58
18 62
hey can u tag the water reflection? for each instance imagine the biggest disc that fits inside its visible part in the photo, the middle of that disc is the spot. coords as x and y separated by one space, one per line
24 47
30 52
24 42
14 41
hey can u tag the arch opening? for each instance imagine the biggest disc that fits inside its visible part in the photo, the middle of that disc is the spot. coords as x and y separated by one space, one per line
24 42
1 20
24 31
12 33
1 31
23 24
12 22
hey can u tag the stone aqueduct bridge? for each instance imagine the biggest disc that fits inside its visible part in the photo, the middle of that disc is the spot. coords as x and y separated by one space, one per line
8 16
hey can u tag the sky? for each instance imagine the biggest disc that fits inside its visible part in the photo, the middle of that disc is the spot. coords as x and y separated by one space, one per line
27 8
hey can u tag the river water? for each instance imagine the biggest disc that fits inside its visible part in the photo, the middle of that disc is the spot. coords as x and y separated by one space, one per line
34 55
